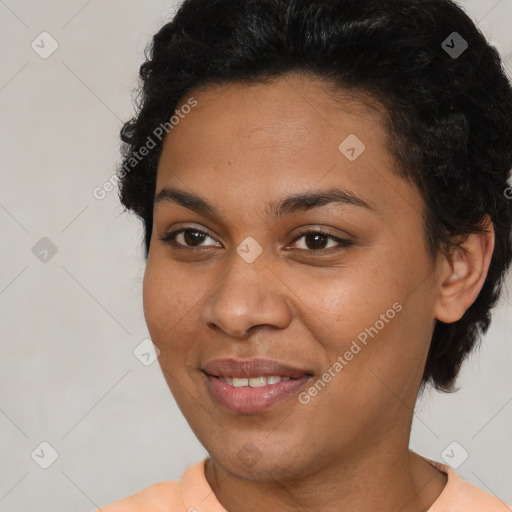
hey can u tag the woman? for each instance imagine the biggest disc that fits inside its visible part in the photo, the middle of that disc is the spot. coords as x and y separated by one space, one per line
323 186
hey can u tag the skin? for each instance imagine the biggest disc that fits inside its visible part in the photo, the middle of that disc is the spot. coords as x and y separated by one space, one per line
347 449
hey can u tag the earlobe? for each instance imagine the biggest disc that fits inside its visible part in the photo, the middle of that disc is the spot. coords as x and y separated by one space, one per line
463 274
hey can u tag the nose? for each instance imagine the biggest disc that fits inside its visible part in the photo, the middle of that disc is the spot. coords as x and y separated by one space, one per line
249 295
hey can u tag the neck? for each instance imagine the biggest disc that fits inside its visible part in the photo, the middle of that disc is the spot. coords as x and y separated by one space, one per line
379 480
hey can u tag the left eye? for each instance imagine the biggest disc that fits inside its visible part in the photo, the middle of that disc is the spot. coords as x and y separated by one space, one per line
314 239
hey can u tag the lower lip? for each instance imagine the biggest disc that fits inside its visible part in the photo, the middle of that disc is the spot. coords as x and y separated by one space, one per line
252 400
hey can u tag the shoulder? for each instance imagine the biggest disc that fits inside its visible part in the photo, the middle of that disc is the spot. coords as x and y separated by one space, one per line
190 493
461 496
166 496
157 497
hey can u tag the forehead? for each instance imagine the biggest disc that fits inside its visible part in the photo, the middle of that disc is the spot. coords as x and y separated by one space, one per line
295 109
294 117
271 139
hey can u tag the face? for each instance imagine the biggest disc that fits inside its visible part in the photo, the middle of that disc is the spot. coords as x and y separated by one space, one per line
333 294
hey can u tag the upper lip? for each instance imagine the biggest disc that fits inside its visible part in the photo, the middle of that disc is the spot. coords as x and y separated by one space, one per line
247 368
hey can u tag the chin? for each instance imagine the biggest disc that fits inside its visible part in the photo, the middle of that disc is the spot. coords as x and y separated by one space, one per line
267 463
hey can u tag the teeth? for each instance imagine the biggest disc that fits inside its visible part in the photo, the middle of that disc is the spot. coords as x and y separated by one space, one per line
254 382
257 382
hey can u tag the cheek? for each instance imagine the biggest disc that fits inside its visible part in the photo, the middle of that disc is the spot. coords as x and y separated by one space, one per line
167 298
349 299
367 312
173 298
155 297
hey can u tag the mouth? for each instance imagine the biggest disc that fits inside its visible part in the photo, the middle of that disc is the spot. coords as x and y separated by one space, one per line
253 382
252 386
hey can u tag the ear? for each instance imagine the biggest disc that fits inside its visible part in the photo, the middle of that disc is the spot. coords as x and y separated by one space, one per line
462 274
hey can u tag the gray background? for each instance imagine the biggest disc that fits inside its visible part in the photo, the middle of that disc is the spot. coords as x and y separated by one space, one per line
69 326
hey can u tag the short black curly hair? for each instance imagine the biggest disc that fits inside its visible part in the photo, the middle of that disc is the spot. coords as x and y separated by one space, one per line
448 116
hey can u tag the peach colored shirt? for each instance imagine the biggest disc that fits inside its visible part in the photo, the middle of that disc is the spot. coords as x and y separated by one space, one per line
192 493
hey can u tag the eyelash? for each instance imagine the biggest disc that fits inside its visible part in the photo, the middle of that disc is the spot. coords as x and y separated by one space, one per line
170 239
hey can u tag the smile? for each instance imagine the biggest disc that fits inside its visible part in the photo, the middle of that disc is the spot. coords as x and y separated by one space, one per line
254 382
253 386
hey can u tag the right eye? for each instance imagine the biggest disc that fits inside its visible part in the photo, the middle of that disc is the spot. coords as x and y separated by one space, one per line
185 238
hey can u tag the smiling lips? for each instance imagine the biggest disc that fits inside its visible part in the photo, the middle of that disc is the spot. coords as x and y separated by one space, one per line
254 382
254 385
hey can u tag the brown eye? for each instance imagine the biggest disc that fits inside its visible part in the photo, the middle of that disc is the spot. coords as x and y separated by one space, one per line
186 237
316 241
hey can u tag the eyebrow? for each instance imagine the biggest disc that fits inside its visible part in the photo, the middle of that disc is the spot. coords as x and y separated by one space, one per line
280 208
